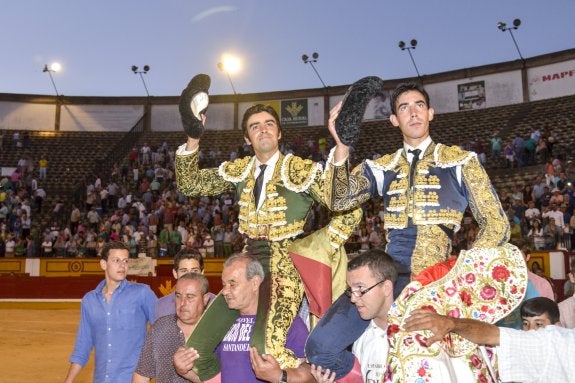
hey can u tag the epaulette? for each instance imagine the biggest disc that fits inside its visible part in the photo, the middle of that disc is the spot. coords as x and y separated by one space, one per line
450 156
237 170
385 162
297 173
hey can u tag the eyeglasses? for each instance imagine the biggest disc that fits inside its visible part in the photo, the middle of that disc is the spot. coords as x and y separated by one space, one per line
360 293
119 261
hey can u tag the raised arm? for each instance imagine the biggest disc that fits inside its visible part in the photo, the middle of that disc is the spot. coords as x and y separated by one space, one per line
341 152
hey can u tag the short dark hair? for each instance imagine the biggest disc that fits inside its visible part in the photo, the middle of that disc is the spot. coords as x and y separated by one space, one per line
378 262
538 306
259 108
407 87
113 245
186 253
204 284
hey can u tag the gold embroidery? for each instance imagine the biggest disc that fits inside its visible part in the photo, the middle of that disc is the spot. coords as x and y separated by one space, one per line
423 198
347 191
423 181
298 173
447 215
485 206
236 170
450 156
192 181
386 160
433 246
397 202
398 185
286 293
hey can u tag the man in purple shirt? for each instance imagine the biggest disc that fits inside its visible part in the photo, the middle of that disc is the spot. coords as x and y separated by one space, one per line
113 322
241 279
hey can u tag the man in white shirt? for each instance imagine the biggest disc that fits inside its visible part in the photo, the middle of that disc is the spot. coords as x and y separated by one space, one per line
532 212
543 355
370 277
556 214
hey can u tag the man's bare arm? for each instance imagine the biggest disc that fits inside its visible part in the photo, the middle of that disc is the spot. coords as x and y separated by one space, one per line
471 329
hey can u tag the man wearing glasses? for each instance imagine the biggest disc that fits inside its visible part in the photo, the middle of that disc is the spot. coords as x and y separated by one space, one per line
370 277
113 322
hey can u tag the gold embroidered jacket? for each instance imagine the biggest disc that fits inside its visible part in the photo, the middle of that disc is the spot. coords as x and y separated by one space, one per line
447 180
289 197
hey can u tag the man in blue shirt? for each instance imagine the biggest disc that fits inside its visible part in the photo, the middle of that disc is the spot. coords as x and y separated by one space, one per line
113 321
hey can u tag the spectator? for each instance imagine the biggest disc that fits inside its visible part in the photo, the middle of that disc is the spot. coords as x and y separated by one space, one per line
552 234
543 286
171 331
530 147
536 235
47 247
43 166
509 155
532 213
544 199
496 144
39 197
113 321
9 246
16 139
186 261
229 237
539 312
554 213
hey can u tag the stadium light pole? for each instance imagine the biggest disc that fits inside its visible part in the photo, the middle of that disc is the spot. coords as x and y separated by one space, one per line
307 60
503 27
230 65
145 70
223 69
54 67
403 47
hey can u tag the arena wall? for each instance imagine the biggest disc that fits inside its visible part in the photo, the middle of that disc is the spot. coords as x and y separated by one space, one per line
541 77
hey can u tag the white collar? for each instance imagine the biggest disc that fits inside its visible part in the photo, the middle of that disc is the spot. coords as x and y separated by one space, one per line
271 163
422 146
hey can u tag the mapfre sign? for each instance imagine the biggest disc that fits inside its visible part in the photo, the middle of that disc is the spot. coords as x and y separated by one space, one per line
558 76
553 80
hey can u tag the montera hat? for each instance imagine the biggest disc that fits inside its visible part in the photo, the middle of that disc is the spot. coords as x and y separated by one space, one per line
353 108
193 103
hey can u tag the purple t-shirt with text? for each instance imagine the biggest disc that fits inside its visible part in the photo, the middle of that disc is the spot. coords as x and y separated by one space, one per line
234 349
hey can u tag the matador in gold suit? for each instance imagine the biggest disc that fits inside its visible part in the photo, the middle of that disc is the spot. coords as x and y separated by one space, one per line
426 188
274 227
